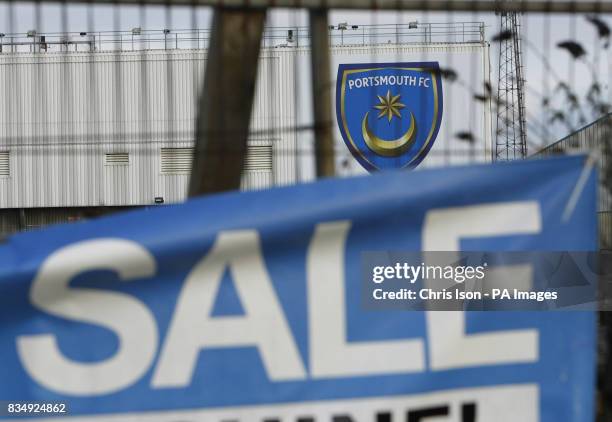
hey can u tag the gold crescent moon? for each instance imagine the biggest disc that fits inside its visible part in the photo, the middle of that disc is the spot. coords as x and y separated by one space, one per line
392 147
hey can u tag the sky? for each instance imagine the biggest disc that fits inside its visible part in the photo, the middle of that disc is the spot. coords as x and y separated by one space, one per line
540 36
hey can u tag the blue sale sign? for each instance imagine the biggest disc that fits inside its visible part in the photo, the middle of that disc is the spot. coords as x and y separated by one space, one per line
247 306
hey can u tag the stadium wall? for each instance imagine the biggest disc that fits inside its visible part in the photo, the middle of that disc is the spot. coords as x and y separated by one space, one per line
116 128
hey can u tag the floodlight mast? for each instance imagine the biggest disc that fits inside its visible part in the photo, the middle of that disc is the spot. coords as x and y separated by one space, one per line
510 135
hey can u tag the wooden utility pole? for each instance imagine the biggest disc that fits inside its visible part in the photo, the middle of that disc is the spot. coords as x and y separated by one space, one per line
224 109
225 105
321 93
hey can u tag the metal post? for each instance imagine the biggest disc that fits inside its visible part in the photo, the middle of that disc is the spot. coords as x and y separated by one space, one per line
224 108
321 93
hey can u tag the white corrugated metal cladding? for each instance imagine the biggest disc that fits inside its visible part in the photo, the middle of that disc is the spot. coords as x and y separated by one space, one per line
117 128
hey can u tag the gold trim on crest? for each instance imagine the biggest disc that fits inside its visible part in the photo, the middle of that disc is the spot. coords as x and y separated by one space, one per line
389 148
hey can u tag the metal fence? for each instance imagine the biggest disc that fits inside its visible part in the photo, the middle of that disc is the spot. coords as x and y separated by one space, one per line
595 139
567 82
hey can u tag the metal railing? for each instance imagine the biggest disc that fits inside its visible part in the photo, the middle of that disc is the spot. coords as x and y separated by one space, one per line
594 139
342 34
589 139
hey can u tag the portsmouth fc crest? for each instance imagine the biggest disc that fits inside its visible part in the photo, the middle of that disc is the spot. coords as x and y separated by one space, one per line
389 114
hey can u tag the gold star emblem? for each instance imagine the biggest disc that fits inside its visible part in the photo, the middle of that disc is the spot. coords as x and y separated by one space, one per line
389 106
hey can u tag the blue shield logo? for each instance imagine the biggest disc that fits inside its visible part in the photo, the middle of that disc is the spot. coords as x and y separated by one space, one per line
389 114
